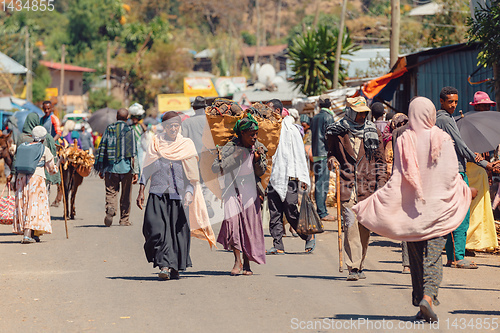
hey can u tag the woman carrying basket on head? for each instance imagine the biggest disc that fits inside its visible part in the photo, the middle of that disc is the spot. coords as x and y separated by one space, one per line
242 162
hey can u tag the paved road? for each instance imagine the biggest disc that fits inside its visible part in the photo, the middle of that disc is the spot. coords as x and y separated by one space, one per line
98 280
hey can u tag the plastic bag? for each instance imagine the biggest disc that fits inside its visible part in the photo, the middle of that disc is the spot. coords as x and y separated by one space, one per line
309 221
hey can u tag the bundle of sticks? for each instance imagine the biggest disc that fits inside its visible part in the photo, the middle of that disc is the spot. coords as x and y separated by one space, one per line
81 160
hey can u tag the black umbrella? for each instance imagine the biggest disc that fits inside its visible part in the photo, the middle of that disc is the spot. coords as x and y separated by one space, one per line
101 119
480 130
150 121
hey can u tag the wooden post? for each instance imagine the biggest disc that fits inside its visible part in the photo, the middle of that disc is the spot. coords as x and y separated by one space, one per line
29 87
339 46
395 21
108 69
60 98
339 215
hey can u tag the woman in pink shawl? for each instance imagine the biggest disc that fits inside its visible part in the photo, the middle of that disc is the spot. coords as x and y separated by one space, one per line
423 201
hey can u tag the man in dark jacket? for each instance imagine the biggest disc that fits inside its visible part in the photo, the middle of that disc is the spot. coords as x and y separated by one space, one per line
356 145
319 124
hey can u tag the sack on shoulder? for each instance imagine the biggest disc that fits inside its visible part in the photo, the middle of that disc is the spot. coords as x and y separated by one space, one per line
28 157
309 221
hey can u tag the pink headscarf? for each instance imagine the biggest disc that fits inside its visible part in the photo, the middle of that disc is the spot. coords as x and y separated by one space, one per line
422 118
425 167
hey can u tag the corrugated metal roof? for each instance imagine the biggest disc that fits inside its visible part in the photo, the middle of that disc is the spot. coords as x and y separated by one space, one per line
452 69
10 66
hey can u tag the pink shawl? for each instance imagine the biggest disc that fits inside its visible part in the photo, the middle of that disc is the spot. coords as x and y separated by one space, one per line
183 149
425 197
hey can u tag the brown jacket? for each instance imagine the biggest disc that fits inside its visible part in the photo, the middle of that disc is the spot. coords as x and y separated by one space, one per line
369 175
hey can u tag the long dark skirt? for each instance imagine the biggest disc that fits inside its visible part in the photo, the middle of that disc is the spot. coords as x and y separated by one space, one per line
167 234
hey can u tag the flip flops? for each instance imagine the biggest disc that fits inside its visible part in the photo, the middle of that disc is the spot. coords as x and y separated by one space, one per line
426 312
164 274
310 245
274 250
27 240
464 263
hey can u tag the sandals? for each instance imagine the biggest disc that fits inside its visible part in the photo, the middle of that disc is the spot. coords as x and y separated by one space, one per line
426 312
27 240
164 274
311 245
464 263
274 250
236 271
294 233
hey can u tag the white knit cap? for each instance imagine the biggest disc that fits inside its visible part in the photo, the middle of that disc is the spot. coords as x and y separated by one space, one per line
136 109
38 133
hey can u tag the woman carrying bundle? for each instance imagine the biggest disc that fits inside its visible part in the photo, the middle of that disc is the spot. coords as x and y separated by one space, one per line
243 161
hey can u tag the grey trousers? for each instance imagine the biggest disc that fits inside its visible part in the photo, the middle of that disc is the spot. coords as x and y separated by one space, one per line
404 254
426 268
356 238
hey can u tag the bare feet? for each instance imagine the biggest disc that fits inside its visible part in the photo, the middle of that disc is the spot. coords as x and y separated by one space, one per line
246 266
236 269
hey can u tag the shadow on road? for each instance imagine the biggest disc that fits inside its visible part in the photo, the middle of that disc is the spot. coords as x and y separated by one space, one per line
205 273
381 271
91 226
369 317
385 243
313 277
441 287
11 242
134 278
9 234
477 312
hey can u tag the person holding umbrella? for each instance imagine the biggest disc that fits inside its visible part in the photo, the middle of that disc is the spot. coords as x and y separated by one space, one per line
455 244
481 233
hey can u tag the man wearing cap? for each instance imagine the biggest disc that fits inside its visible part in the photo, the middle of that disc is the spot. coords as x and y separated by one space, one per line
137 112
355 144
116 162
193 128
319 124
455 244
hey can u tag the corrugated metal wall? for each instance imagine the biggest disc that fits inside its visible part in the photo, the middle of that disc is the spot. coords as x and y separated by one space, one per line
452 69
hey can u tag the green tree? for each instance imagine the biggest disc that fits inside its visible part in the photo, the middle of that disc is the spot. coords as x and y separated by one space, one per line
99 99
485 28
313 56
41 81
448 26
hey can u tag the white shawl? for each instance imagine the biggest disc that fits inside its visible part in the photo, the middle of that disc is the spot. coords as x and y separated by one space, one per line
289 159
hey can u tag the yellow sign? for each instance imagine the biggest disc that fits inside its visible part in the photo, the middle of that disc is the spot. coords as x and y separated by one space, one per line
51 92
173 102
199 86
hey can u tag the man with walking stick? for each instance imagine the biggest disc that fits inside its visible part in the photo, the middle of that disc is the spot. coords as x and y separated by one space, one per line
355 144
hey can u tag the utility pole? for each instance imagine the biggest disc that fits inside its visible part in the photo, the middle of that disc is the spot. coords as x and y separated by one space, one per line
278 21
256 56
60 97
28 63
395 22
108 69
339 46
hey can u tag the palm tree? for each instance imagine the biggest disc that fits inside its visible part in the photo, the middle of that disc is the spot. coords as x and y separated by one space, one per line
313 56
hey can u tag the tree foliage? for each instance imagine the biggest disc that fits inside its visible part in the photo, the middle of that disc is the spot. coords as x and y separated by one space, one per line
448 26
313 56
485 28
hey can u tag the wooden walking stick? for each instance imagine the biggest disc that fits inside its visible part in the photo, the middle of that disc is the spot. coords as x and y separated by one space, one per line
64 202
339 215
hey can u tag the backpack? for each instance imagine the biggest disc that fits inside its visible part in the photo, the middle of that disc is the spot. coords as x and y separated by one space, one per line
28 158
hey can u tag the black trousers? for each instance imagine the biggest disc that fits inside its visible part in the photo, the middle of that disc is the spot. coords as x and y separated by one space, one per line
288 207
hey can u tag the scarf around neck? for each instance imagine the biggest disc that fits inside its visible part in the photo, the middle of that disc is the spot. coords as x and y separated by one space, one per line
366 131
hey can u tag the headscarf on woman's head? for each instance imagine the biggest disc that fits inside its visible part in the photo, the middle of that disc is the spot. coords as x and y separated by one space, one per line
304 118
399 119
422 118
39 133
246 124
68 127
32 120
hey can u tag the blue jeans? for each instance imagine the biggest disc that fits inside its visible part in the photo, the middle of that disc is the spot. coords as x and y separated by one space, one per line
322 182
